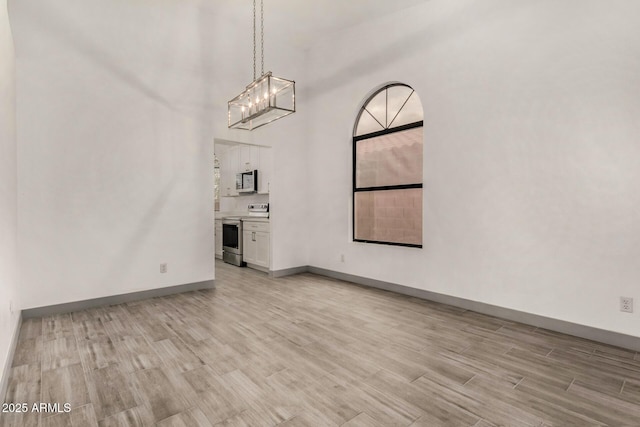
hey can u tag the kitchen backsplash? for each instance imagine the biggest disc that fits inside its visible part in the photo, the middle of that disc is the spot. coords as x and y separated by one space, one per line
239 203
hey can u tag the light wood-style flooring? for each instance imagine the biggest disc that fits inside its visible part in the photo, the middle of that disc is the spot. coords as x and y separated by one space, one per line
310 351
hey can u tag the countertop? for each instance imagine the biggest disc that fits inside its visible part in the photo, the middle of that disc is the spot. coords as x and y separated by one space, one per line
255 219
220 215
243 214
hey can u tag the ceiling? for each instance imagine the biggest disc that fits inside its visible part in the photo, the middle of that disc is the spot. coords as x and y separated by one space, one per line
304 20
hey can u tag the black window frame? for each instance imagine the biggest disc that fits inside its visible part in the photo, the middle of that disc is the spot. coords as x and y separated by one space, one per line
355 140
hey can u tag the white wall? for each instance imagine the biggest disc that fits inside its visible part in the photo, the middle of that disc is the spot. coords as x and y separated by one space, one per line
115 146
531 156
531 152
288 137
9 300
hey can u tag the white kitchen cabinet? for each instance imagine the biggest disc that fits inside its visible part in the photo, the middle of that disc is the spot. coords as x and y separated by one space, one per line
243 158
248 158
228 171
264 172
249 248
262 249
218 238
256 244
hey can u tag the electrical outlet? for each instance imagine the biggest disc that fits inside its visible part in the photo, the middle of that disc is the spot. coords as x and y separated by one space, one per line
163 267
626 304
341 257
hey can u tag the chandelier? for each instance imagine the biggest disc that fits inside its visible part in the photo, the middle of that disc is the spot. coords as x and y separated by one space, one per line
266 98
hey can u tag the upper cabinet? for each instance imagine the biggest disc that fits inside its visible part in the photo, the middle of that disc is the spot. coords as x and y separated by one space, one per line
264 171
248 158
228 171
242 158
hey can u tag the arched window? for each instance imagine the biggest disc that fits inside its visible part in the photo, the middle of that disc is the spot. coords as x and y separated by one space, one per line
387 168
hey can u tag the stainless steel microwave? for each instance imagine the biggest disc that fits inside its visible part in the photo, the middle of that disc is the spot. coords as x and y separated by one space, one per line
247 182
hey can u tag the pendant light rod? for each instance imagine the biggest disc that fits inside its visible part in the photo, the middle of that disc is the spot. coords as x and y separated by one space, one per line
261 39
254 40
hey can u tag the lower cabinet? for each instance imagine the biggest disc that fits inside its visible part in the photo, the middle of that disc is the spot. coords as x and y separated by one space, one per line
218 234
256 244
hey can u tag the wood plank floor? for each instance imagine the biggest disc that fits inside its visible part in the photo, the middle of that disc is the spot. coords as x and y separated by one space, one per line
310 351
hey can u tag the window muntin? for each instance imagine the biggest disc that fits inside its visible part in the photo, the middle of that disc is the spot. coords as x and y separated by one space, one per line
387 168
393 106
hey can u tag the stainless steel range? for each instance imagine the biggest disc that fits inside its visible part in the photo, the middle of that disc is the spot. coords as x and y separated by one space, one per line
232 240
232 233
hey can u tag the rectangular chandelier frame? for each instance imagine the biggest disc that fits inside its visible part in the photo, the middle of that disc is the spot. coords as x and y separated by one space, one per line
265 100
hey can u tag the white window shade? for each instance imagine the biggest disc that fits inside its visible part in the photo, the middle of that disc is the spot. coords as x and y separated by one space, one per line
391 159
